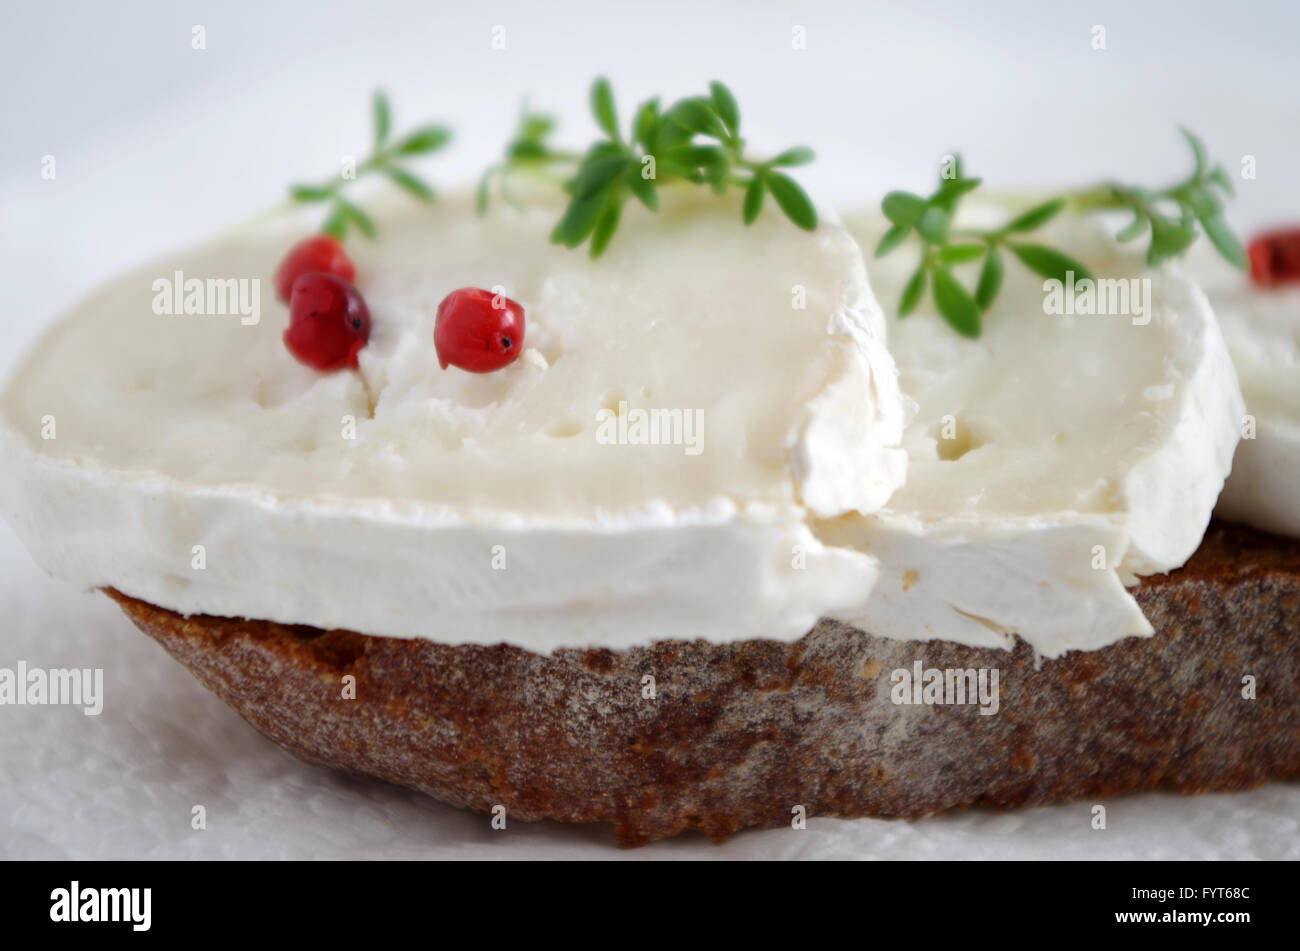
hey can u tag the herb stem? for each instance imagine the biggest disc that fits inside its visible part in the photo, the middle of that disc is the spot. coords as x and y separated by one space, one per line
1105 197
1170 215
385 157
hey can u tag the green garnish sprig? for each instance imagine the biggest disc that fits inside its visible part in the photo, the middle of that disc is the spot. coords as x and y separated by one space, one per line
528 150
1195 199
696 140
384 158
1170 215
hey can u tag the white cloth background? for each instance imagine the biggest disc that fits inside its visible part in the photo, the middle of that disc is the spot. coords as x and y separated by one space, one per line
157 144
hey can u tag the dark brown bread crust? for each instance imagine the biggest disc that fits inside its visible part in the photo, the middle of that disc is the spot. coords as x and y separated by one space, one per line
739 734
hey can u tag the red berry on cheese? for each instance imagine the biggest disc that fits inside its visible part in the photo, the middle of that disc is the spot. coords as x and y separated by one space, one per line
321 253
478 330
328 322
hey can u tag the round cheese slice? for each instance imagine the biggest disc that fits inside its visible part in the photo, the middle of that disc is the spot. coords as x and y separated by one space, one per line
682 407
1079 442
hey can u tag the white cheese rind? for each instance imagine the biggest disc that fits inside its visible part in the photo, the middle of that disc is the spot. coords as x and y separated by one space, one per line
197 466
1170 492
378 567
978 585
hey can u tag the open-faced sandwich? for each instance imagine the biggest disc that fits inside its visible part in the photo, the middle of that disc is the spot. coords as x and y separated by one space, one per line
626 500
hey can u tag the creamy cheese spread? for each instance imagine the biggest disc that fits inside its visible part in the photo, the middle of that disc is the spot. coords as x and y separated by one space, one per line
685 405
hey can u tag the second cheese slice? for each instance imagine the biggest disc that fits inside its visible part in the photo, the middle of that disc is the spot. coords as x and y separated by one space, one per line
1051 460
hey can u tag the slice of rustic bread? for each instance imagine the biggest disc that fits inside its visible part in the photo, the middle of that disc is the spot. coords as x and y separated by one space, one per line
735 735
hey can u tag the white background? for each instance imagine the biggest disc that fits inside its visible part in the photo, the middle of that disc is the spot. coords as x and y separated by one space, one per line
158 144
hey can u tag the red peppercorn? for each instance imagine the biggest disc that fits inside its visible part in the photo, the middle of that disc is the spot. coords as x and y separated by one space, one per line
1275 257
328 322
321 252
477 330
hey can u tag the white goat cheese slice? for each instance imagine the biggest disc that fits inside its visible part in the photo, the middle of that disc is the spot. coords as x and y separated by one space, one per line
1051 460
647 470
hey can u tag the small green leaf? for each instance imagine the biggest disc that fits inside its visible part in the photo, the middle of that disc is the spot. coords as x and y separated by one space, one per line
1048 262
892 239
698 156
310 193
602 107
578 220
697 116
1168 239
912 292
717 176
358 217
669 165
1199 154
1035 217
426 139
1217 230
1202 201
645 127
643 188
799 155
792 200
903 208
336 225
669 135
1136 229
961 253
405 180
1219 175
535 126
525 149
753 199
724 103
481 194
595 174
951 190
933 225
606 225
955 304
382 117
605 150
990 281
